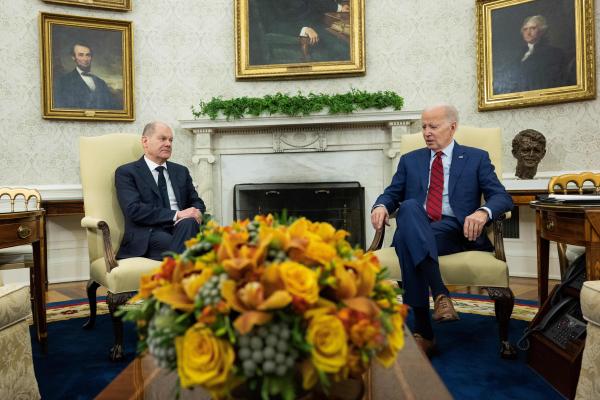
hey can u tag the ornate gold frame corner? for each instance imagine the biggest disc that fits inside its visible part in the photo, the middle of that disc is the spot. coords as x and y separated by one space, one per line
309 69
117 5
49 110
583 89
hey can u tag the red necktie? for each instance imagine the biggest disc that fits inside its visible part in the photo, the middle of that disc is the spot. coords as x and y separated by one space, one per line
436 188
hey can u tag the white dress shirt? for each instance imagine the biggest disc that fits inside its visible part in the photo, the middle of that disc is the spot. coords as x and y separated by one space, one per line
89 81
172 200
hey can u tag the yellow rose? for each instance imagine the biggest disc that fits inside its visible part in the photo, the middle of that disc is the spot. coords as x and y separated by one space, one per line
327 336
396 337
203 359
395 341
320 252
300 281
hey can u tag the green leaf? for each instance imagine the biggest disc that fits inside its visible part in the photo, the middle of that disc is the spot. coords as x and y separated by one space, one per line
297 105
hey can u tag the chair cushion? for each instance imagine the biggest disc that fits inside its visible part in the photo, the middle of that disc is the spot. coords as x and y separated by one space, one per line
16 257
469 268
15 304
590 301
125 277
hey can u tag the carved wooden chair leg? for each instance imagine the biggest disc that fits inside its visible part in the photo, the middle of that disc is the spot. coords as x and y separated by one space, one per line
114 301
91 288
504 301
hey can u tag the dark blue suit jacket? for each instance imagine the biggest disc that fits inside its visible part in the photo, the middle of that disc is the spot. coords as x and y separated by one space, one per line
471 176
141 203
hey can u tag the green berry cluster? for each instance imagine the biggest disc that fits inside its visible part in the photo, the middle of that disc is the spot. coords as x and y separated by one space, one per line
161 338
253 232
198 249
267 351
210 293
276 255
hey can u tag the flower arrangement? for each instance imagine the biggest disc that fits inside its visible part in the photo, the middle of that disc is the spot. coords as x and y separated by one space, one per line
282 306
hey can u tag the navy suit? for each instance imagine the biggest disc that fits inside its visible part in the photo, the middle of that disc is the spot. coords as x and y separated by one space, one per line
146 220
417 238
71 91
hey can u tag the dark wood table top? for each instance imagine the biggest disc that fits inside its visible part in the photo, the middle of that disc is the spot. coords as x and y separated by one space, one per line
412 377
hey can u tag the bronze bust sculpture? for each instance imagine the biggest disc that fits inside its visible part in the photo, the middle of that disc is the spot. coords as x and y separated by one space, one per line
528 147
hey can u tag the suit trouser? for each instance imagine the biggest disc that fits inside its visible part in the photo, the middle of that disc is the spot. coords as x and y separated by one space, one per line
418 241
171 238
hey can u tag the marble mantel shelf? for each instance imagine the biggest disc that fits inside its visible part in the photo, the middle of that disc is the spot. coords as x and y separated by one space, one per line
358 118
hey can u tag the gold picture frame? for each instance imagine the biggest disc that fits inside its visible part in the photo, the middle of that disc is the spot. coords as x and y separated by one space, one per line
86 67
119 5
274 40
534 52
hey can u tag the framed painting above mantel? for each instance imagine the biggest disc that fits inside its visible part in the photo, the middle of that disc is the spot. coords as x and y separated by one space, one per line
535 52
290 39
118 5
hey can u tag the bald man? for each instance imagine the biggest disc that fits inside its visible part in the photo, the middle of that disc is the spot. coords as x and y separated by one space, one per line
159 202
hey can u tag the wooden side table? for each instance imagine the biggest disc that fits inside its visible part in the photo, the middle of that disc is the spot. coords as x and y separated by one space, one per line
577 224
23 228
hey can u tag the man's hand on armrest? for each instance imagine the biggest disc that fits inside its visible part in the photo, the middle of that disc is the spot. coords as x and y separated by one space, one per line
474 224
379 217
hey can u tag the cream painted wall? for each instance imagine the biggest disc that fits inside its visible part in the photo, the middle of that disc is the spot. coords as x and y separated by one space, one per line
183 52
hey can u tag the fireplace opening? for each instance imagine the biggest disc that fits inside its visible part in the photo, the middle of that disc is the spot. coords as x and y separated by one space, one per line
339 203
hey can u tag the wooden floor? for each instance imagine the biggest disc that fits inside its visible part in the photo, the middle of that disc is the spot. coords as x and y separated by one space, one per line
523 288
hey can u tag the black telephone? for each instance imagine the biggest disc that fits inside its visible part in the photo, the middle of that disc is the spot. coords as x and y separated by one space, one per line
564 321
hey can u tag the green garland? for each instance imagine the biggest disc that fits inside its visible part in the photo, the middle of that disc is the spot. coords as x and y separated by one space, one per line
294 106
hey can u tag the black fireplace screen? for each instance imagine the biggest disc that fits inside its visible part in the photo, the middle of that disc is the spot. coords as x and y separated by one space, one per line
339 203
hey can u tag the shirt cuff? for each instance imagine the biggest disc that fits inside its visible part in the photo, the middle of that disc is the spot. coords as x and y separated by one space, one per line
175 217
488 211
379 205
303 31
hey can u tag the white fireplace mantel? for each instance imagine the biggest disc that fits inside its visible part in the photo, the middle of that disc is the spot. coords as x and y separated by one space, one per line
267 149
270 121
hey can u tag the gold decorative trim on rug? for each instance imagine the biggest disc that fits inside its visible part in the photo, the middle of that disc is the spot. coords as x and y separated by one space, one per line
464 305
63 313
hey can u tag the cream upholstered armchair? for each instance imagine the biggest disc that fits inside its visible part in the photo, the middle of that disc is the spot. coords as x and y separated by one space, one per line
469 268
99 158
17 377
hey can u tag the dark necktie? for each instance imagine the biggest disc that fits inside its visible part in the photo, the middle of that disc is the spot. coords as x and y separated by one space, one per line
162 187
436 188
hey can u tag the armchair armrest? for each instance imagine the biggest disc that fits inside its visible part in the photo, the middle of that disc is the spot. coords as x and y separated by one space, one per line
497 226
380 235
109 254
377 240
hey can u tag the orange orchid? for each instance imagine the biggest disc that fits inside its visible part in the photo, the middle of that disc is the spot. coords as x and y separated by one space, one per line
250 302
175 296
